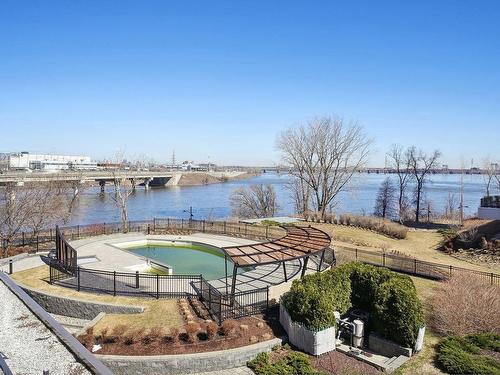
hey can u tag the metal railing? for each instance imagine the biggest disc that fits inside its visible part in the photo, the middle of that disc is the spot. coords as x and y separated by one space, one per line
412 266
492 201
65 272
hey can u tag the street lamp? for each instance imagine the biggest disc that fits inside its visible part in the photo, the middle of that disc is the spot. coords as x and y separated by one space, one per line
190 213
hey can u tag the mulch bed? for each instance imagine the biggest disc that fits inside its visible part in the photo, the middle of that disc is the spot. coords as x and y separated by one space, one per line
337 363
245 331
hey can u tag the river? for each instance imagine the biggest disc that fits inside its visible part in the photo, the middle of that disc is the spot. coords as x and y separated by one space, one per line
212 201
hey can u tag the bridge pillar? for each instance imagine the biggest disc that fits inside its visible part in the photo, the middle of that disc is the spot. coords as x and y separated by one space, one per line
147 181
102 184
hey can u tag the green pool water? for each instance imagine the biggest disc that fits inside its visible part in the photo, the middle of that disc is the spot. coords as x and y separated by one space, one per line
188 259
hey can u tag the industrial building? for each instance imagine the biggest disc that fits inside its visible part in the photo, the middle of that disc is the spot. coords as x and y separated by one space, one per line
46 162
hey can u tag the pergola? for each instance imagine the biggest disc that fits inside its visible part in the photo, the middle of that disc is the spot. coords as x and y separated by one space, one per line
299 242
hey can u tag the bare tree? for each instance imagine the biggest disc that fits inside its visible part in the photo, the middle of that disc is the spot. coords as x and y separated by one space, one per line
490 172
384 205
451 206
400 161
256 201
123 190
300 193
31 208
324 153
420 165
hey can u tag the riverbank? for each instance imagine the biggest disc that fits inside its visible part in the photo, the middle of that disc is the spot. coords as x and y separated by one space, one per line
206 178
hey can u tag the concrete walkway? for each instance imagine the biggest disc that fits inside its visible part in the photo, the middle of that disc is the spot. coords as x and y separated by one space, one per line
231 371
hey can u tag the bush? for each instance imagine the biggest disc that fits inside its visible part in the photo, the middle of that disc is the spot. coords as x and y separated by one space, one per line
211 329
478 306
293 363
379 225
313 299
228 327
192 331
396 312
467 355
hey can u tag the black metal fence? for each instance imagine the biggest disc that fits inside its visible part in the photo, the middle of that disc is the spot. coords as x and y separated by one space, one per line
224 306
64 270
156 225
413 266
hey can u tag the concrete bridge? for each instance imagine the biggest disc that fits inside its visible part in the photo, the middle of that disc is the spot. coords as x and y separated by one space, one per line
145 178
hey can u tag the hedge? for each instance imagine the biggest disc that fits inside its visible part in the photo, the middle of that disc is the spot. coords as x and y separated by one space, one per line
391 299
466 355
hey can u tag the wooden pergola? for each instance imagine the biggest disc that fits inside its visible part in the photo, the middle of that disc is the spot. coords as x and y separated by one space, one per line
299 242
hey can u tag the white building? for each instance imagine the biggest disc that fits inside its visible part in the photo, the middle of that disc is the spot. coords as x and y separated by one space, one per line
48 162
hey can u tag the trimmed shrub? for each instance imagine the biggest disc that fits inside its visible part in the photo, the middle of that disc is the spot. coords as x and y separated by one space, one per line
396 311
468 355
313 299
211 330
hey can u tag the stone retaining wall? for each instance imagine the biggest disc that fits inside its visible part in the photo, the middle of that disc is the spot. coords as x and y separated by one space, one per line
77 308
186 363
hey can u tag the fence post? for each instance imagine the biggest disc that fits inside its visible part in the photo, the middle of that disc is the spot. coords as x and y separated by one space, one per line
182 224
114 283
137 279
149 229
11 268
154 225
224 227
209 299
157 286
450 269
37 241
356 251
267 297
415 266
168 223
78 277
78 231
203 226
383 259
267 231
103 228
491 278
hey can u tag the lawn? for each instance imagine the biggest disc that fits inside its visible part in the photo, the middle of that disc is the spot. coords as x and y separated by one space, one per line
162 312
420 243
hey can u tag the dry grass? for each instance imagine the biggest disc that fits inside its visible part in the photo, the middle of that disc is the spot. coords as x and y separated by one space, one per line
162 312
464 305
420 243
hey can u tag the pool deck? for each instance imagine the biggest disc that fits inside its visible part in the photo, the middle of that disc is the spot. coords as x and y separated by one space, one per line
109 257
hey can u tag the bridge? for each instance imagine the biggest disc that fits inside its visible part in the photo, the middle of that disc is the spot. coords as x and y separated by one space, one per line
145 178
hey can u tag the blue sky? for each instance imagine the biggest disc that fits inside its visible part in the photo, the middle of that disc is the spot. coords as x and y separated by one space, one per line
220 79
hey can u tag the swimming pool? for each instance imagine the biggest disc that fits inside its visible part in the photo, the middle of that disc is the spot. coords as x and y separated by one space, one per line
187 259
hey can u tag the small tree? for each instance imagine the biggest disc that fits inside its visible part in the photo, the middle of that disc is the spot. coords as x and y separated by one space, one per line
256 201
122 191
421 165
384 205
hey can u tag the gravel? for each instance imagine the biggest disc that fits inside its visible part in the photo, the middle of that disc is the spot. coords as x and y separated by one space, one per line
27 345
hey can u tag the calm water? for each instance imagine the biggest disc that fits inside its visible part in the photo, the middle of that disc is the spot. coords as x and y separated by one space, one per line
187 260
212 201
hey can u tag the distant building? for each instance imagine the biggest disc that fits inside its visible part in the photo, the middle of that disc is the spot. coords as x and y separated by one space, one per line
47 162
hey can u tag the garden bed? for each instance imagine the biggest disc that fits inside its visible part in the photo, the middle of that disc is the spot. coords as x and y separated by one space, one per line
196 337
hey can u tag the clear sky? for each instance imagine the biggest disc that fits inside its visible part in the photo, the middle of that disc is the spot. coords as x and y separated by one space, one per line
220 79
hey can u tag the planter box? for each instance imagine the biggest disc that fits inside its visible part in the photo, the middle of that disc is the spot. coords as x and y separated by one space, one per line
315 343
387 348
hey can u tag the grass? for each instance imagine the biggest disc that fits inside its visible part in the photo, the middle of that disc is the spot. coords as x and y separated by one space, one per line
421 244
162 312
